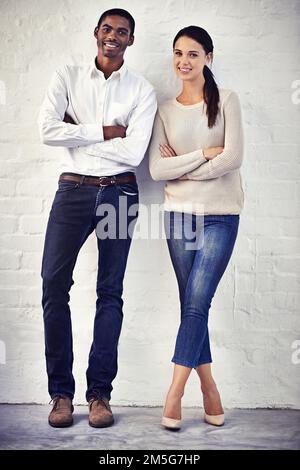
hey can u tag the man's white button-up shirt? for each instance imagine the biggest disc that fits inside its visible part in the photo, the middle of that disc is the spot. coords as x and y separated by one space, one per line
125 98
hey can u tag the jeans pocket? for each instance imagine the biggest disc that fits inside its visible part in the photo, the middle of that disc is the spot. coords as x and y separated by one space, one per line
128 189
64 186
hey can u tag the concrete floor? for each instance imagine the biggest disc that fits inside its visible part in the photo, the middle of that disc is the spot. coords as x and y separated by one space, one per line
26 427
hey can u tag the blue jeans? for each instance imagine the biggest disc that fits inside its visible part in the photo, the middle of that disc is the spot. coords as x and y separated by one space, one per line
198 272
73 217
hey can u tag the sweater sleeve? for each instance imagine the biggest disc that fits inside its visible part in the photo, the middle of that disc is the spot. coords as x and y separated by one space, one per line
231 157
169 168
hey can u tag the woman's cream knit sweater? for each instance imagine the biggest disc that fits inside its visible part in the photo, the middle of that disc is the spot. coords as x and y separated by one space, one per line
214 186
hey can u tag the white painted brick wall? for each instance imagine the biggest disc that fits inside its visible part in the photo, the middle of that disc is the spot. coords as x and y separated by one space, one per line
255 313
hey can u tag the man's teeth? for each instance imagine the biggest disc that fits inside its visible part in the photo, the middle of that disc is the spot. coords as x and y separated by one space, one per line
110 45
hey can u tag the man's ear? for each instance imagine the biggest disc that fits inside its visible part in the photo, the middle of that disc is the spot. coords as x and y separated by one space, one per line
96 32
131 41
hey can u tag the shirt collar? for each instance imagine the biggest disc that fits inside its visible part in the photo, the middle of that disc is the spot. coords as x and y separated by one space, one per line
94 71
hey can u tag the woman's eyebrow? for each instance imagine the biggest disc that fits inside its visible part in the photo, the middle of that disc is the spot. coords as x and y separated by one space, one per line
178 50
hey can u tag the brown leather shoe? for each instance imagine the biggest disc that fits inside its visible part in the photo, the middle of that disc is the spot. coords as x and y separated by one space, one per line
100 413
61 414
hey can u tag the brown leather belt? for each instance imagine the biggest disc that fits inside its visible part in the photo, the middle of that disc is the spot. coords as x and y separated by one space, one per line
98 181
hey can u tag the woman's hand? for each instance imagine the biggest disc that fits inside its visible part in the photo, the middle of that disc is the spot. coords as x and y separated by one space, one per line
167 151
212 152
209 154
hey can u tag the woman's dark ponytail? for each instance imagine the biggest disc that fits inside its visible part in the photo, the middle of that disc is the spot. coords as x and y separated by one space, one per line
211 91
211 96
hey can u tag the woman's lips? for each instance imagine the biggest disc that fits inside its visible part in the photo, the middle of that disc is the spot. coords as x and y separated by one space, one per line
184 69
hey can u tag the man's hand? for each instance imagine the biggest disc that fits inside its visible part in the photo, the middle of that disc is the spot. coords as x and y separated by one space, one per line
68 119
166 151
110 132
212 152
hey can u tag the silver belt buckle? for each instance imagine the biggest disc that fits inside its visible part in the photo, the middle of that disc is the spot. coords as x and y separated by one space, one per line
102 178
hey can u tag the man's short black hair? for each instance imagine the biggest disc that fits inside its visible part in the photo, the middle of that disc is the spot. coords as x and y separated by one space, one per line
118 12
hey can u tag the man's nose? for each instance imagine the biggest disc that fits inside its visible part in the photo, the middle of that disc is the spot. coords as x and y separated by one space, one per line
112 36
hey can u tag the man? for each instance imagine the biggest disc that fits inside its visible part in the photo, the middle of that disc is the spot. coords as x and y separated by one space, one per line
103 114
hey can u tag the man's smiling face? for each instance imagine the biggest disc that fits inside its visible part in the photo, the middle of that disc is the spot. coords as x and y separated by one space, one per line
113 36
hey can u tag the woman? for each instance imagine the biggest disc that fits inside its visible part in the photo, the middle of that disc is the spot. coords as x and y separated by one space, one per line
197 145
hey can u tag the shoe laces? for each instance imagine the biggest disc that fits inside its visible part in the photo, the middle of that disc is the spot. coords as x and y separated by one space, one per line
55 400
99 401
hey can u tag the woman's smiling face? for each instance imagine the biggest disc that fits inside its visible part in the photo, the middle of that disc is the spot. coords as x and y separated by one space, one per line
189 58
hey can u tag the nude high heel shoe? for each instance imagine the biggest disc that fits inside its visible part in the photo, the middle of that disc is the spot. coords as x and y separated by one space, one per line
170 423
215 420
